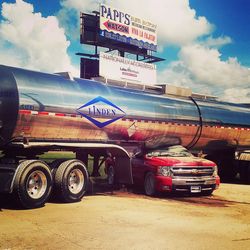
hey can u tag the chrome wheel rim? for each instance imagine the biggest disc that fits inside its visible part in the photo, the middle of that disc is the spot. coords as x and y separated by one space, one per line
36 184
75 181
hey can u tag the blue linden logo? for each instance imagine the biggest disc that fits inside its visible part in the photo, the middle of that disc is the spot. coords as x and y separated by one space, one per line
101 112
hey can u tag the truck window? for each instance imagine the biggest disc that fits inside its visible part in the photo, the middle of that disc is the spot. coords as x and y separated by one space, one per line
171 151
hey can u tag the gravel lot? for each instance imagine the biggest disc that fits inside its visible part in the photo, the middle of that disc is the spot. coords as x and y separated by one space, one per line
123 220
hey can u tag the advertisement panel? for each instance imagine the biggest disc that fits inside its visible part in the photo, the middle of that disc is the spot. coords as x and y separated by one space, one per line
123 27
124 69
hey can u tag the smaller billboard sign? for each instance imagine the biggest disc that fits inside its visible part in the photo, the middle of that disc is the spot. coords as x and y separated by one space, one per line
124 69
121 26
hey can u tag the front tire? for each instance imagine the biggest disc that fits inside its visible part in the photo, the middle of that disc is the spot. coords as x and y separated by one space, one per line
207 192
71 181
32 184
149 184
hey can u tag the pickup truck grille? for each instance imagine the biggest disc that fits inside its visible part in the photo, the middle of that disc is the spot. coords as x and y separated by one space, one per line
192 171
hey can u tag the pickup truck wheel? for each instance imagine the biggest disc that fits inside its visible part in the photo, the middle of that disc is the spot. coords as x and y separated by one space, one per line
71 181
149 184
207 193
32 184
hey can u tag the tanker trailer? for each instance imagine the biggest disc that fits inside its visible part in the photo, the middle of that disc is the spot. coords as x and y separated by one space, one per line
40 112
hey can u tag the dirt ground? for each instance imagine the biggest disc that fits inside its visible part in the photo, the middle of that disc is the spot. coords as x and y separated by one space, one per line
122 220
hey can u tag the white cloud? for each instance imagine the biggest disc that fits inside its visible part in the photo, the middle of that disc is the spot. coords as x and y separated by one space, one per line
217 42
206 67
202 69
9 55
78 5
237 95
32 41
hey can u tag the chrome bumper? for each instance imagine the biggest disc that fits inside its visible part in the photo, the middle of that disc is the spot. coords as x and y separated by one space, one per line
184 184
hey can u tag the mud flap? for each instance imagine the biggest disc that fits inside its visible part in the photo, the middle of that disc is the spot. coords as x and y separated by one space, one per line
6 176
123 170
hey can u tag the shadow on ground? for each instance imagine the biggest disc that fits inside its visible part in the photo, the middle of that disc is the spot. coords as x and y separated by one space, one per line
102 188
99 186
8 201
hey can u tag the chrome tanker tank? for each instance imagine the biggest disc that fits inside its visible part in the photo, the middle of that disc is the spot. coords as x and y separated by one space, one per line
48 107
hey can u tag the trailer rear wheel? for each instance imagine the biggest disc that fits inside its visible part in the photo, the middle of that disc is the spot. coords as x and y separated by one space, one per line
71 181
54 165
32 184
149 184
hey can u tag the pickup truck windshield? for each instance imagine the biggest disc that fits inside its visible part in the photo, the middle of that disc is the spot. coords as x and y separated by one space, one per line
172 151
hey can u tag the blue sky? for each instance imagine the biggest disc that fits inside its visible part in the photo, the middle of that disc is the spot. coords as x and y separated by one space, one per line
231 18
206 43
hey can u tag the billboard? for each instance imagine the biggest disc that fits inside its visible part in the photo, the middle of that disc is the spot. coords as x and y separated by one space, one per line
123 27
124 69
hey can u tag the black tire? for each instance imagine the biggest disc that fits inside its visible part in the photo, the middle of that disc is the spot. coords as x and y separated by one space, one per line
71 181
149 184
32 184
207 192
54 165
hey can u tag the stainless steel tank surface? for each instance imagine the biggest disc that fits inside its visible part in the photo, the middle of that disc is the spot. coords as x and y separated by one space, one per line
40 106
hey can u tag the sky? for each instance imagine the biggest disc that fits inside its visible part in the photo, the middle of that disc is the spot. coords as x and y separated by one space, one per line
206 44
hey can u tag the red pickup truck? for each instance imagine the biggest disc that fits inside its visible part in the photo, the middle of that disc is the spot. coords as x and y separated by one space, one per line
170 169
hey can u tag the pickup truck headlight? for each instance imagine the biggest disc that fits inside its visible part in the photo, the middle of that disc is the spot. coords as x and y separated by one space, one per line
165 171
215 173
